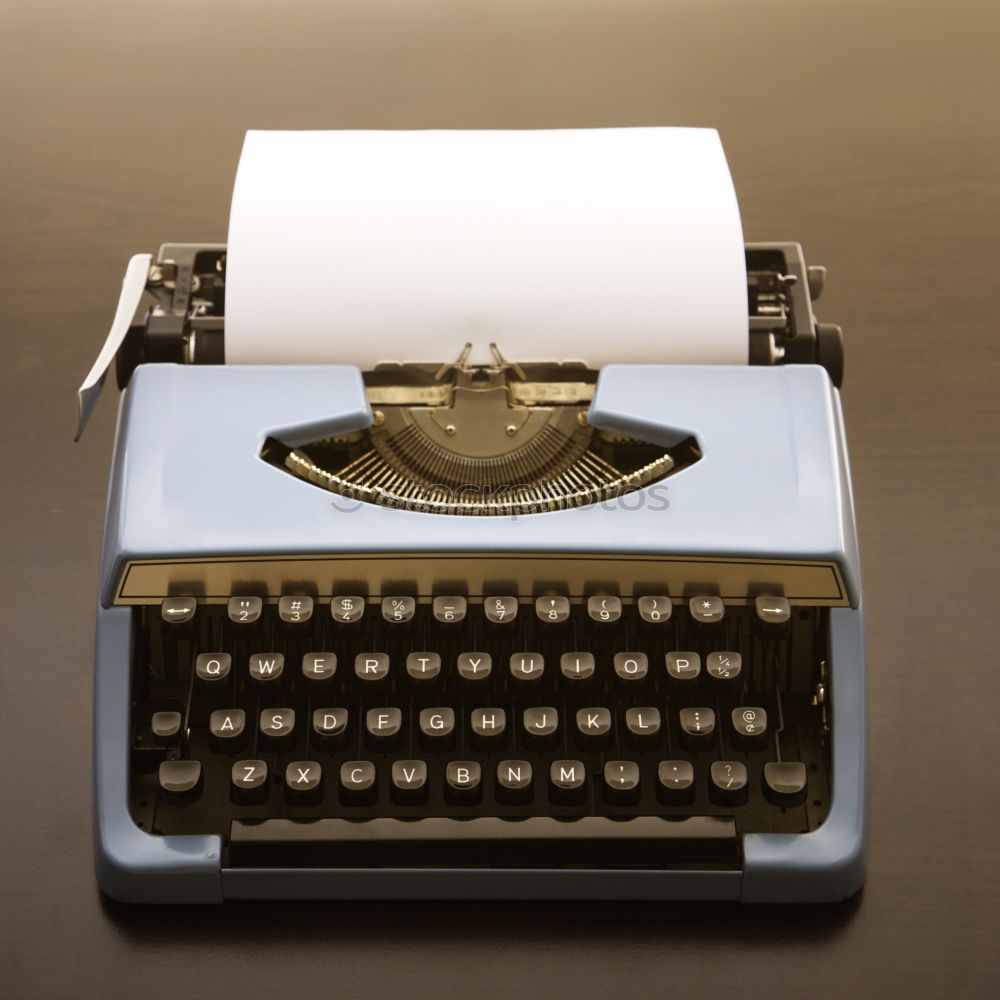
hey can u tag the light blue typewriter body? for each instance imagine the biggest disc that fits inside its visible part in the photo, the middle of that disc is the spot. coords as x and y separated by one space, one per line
772 484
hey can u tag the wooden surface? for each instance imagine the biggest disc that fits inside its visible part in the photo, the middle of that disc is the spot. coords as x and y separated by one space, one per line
868 132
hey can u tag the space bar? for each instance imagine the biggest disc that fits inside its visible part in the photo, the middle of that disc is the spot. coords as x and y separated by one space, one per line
486 841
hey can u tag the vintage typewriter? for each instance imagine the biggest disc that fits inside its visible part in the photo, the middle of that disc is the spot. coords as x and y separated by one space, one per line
496 630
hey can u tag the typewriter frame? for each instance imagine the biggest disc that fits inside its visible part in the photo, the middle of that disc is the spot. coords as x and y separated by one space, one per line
793 411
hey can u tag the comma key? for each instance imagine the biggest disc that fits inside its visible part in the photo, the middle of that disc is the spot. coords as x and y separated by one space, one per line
621 781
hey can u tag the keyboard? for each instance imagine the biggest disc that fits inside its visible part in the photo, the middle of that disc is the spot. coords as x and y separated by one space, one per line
503 730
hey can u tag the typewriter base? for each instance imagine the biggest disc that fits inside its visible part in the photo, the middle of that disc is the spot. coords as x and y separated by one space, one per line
134 866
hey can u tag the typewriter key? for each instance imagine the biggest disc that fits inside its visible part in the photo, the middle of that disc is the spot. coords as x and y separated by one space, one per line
729 782
449 610
772 610
437 727
398 610
463 782
179 781
267 668
631 666
488 726
750 726
371 667
514 781
357 782
683 666
212 668
166 727
655 610
785 782
568 781
383 726
249 782
697 728
527 666
500 610
244 610
707 609
552 610
304 782
227 729
178 610
724 666
621 781
593 725
675 782
577 666
540 726
330 726
319 666
605 610
642 727
295 610
347 610
474 666
277 725
423 666
409 781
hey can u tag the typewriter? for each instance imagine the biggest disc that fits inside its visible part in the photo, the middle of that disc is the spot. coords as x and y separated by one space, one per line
497 630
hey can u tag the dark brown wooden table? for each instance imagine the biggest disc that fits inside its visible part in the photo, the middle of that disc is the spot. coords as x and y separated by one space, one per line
866 131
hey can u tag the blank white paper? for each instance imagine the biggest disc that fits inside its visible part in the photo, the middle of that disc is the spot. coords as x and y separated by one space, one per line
598 245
